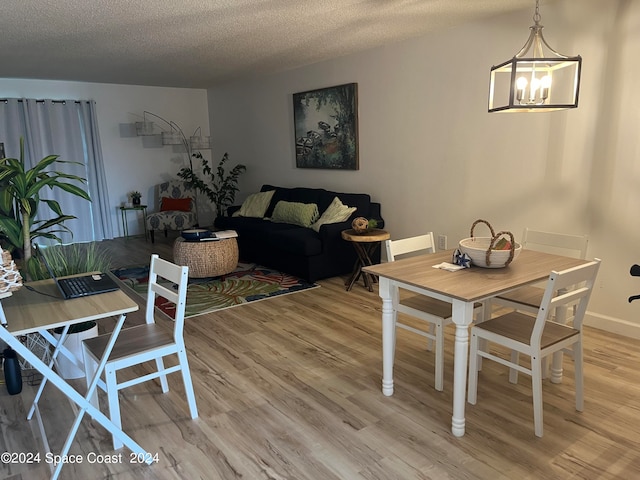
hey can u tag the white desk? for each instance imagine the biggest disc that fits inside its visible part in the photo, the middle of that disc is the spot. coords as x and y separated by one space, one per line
30 312
462 289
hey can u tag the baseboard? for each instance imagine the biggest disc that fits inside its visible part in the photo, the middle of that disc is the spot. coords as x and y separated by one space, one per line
612 325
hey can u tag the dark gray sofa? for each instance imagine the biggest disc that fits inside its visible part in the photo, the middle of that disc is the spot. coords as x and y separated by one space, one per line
297 250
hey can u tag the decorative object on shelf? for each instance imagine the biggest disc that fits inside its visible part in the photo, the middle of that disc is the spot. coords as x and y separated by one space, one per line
135 198
10 278
326 127
363 225
223 185
537 78
490 252
21 199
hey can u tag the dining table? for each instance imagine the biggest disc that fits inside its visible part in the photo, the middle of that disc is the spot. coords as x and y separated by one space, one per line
462 288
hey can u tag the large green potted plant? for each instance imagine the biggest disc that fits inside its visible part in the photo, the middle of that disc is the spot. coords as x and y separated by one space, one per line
223 185
20 197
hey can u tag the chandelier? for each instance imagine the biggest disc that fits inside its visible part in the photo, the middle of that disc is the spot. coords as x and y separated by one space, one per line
537 78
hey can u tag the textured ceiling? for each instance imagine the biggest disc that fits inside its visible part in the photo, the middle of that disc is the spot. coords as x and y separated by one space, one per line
198 43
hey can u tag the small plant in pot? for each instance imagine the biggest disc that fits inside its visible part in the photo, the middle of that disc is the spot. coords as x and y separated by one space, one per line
135 197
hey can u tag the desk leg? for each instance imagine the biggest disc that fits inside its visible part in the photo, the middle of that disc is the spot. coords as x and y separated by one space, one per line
462 317
144 220
59 346
388 335
125 227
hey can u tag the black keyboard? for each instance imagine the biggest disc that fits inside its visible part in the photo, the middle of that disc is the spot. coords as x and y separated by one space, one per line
77 286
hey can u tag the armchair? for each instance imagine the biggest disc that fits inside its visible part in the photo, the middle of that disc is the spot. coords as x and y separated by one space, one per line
178 211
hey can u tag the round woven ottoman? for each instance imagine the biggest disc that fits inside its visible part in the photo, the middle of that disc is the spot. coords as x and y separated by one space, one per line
207 259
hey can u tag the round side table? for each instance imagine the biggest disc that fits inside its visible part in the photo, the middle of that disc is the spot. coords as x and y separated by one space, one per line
365 244
207 259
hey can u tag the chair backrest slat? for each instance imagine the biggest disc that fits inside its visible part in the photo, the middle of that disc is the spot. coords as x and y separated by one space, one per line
557 243
403 246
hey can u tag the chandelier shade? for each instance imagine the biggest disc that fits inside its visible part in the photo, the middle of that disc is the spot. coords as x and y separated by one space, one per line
536 79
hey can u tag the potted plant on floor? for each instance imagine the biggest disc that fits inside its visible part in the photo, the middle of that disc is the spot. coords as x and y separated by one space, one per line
20 198
223 185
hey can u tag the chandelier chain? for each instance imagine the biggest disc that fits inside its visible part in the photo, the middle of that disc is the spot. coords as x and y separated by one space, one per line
536 15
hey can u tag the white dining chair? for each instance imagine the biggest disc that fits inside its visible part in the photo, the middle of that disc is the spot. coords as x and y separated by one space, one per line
146 342
436 313
538 336
528 298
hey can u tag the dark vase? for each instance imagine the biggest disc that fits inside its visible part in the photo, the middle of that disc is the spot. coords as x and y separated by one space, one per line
135 201
12 372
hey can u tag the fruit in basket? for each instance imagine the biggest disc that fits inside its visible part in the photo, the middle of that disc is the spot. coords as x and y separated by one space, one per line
502 244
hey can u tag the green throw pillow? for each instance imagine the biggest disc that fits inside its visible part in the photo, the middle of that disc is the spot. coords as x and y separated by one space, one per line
336 212
255 205
303 214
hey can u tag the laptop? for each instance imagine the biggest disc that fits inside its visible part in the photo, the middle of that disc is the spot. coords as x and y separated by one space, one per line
82 286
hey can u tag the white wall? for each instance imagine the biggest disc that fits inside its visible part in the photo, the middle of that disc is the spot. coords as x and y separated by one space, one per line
130 163
435 159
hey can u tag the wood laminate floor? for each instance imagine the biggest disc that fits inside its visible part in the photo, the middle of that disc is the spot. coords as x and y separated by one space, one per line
290 388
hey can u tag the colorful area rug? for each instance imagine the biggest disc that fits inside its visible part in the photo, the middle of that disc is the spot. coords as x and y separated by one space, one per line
248 283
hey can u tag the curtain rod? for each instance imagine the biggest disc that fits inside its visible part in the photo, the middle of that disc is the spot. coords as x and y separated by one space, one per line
5 100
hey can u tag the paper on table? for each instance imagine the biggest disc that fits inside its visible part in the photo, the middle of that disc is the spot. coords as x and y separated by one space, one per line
450 267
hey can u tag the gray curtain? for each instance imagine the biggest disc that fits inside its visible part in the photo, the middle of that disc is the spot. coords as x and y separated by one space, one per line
68 129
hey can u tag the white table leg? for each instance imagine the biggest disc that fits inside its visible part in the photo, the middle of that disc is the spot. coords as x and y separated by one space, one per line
462 317
556 364
388 335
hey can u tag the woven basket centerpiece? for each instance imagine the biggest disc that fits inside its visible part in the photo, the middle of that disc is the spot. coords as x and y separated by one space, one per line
10 279
496 251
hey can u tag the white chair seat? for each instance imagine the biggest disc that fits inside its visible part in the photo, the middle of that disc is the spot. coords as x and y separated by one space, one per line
132 340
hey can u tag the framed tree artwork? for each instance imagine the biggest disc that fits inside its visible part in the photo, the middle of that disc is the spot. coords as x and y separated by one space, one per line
326 127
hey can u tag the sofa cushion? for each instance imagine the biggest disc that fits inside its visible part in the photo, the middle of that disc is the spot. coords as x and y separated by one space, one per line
255 205
320 197
301 214
336 212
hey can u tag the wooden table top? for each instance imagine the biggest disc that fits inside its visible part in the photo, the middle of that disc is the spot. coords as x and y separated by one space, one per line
29 311
475 283
373 235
